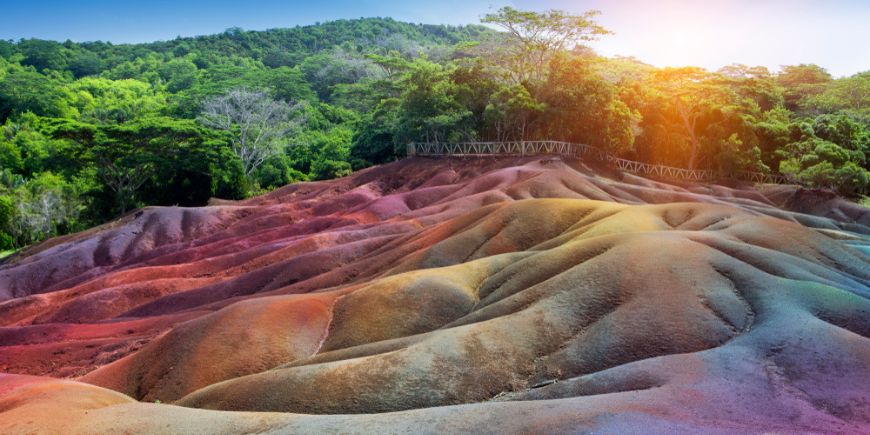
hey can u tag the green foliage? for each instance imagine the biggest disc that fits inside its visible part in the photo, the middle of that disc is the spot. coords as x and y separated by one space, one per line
323 155
582 107
115 101
802 82
288 84
325 169
728 121
847 94
91 130
510 112
84 63
533 38
178 74
44 206
429 109
10 156
754 84
7 210
257 125
43 55
821 163
26 90
7 244
842 129
375 140
773 130
327 69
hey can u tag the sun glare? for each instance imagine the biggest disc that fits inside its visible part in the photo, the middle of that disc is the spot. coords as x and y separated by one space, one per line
677 46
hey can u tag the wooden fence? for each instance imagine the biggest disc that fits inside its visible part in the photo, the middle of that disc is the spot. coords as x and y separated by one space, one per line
581 151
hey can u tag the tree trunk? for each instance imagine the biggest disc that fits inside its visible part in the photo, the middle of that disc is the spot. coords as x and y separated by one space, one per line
693 138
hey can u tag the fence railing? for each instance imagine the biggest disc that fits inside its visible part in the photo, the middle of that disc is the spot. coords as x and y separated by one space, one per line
580 151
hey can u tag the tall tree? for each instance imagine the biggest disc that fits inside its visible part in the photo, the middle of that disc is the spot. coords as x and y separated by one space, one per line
801 82
848 93
755 83
509 113
125 157
259 125
429 110
535 37
685 97
25 90
582 107
692 118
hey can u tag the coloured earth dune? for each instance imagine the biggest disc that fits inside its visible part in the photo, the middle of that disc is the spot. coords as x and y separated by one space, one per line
506 295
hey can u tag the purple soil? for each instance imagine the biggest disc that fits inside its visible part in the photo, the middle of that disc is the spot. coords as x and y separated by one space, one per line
480 295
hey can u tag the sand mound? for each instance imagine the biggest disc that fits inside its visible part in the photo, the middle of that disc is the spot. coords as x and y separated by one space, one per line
491 295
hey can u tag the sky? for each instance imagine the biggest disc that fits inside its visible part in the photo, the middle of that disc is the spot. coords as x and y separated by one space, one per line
834 33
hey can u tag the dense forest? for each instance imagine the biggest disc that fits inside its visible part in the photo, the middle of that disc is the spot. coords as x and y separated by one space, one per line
90 131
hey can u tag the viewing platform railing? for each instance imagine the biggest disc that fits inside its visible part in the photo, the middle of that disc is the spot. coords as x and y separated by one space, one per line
581 151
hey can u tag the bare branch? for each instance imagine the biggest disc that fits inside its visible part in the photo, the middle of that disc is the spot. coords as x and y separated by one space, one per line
259 124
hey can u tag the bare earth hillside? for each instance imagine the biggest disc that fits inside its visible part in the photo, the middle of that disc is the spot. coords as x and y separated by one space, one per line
443 296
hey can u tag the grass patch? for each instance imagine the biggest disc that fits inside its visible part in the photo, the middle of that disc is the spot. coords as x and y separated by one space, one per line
4 254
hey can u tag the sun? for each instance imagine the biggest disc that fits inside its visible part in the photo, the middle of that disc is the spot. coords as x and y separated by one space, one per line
679 44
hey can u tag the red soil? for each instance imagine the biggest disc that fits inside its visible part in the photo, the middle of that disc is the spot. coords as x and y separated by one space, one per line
427 283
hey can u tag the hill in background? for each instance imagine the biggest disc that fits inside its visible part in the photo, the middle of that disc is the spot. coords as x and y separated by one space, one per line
92 130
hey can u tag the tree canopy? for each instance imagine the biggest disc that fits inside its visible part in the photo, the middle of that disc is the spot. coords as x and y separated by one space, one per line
89 131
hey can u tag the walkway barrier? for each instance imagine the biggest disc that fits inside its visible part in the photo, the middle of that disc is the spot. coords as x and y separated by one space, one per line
580 151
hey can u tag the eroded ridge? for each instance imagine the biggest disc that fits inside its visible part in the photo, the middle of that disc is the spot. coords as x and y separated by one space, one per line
474 295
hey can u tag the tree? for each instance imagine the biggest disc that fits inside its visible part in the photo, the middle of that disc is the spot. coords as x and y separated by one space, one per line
820 163
117 123
288 84
325 70
773 130
754 83
159 152
29 151
179 74
42 207
10 153
842 129
153 151
85 63
801 82
7 48
848 93
103 100
474 86
25 90
688 102
375 139
429 110
42 54
535 37
259 125
582 107
510 112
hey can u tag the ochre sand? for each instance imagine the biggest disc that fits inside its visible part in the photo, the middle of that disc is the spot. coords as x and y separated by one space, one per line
443 296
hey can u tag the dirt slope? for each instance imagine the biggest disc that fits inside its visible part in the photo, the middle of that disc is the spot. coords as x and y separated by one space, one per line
488 295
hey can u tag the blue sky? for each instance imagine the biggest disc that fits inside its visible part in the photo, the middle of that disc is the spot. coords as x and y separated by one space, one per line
834 33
